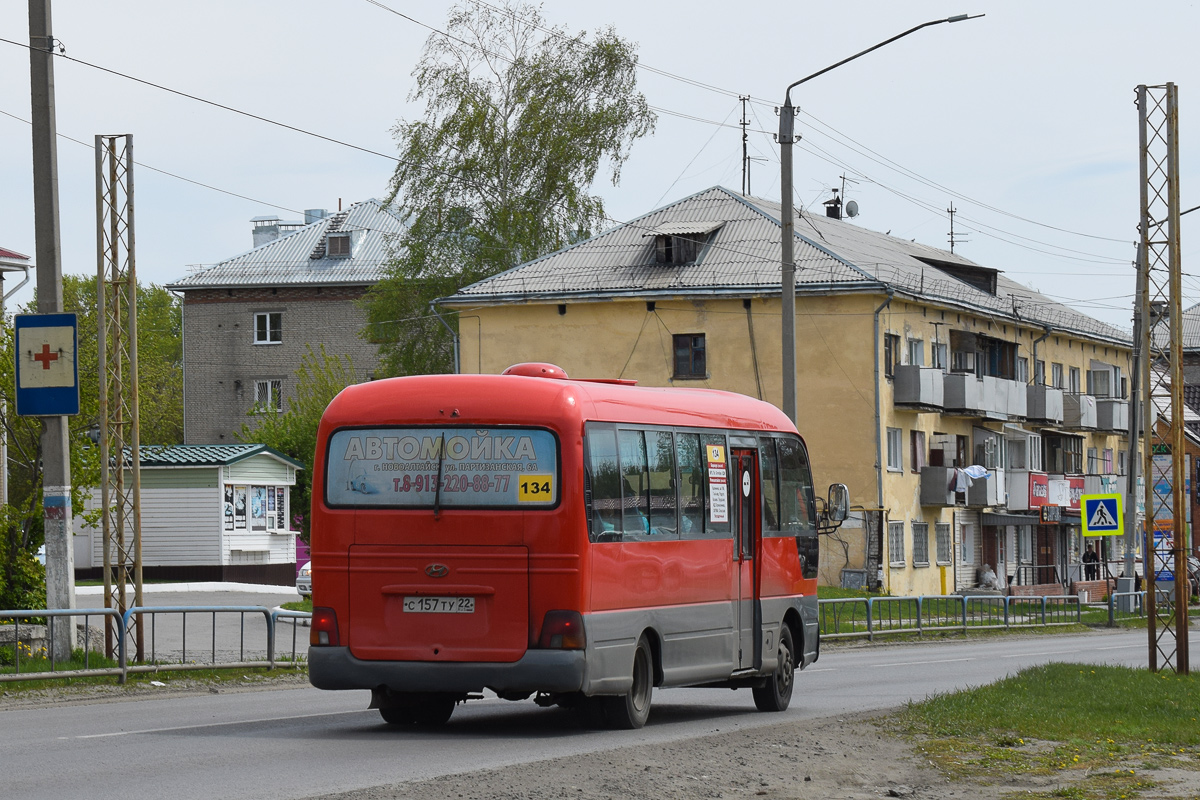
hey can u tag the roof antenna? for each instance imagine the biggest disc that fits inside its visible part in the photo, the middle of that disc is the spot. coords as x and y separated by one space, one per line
952 211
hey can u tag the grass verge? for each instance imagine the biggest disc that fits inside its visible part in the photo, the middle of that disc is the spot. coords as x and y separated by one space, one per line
1077 731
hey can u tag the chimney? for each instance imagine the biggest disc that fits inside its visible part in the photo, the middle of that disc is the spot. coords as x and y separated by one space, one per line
833 206
311 215
266 229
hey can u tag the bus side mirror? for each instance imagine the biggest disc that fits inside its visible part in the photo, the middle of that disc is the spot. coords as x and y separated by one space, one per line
838 504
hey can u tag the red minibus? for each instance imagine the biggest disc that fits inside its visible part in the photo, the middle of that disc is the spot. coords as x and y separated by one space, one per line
581 541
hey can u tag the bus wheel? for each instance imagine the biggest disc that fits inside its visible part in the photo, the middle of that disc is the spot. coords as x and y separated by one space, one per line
777 693
433 711
630 710
398 715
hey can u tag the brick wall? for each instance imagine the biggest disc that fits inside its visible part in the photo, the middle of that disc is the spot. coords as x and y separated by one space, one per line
221 362
1096 590
1036 590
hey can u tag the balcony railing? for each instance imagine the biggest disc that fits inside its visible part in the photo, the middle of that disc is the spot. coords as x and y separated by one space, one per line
1044 405
938 484
1079 412
917 388
985 397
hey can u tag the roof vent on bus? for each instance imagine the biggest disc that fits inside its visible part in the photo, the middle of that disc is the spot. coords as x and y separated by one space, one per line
537 369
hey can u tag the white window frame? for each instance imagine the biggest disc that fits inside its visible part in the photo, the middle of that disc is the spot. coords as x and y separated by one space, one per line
920 548
966 543
945 553
939 355
1073 380
273 333
268 396
895 450
1023 369
896 556
916 352
1056 375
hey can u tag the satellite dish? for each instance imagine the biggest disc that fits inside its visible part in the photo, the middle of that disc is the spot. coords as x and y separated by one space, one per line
852 208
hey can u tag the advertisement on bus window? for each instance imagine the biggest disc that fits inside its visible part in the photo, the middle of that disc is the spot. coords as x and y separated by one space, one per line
447 467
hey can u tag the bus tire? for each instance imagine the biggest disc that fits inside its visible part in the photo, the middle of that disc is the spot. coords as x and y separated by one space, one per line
631 710
433 711
398 715
777 693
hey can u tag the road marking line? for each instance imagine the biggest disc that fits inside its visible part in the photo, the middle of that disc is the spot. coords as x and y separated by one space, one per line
1124 647
210 725
1043 653
914 663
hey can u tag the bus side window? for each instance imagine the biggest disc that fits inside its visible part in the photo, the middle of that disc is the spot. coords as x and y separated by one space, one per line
718 501
663 521
770 485
635 483
605 480
796 495
691 483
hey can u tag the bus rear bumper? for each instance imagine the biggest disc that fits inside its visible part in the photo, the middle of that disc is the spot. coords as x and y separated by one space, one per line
537 670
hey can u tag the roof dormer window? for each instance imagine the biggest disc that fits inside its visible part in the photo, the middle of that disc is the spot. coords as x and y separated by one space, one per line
338 245
681 243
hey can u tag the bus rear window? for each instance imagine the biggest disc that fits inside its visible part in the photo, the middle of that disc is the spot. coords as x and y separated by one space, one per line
447 467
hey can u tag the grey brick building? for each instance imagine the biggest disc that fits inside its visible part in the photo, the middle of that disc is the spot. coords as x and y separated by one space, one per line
249 320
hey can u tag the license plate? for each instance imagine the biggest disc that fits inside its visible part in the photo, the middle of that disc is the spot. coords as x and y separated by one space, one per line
440 605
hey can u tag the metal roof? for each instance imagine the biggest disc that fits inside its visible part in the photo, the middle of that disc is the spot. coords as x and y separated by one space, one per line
684 228
207 455
741 257
288 261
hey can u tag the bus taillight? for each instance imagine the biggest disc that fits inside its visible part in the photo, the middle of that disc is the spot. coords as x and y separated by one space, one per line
324 628
562 630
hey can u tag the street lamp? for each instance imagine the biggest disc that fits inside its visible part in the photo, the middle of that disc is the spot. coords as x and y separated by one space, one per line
786 120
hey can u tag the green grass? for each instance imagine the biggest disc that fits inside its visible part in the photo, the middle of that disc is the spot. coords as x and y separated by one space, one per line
1095 729
36 660
304 604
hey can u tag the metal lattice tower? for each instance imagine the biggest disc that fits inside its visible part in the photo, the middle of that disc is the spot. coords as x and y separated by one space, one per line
116 312
1160 310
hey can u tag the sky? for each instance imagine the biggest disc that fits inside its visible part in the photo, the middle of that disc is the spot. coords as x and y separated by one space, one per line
1023 119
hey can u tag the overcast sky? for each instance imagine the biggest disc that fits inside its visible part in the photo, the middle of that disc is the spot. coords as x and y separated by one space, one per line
1023 119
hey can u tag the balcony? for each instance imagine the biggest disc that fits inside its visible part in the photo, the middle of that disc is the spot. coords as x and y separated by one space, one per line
1028 490
1104 484
987 492
1112 415
1044 405
917 388
985 397
937 488
1079 412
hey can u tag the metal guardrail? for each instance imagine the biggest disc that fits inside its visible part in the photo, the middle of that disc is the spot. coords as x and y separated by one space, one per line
112 615
240 647
868 617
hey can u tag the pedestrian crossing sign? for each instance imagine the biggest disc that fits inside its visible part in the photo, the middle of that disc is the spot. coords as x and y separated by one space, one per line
1102 515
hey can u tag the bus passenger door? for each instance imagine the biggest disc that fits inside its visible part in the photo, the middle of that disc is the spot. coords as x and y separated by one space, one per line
745 489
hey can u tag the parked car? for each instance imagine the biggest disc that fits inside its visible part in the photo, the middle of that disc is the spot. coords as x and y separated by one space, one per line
304 580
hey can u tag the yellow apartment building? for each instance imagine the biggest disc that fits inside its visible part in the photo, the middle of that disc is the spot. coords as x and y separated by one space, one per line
916 369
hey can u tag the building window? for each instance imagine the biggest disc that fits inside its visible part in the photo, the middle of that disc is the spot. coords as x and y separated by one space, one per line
896 544
268 327
1063 454
677 250
1093 461
1023 370
939 355
895 449
690 361
966 545
268 396
1039 372
942 531
916 352
1108 461
918 450
337 245
1120 462
1073 377
891 353
1056 376
920 532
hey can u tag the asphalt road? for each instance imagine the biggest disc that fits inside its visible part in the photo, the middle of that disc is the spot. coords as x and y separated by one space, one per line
303 742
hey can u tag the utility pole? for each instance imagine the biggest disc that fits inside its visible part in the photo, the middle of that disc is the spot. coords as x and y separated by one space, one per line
56 453
1160 308
745 155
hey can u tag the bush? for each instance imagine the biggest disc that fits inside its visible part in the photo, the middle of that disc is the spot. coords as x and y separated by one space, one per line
22 582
